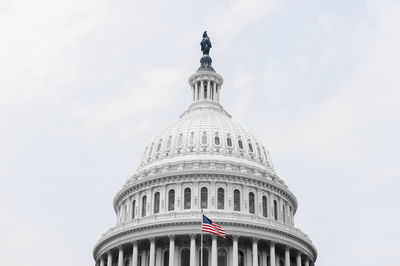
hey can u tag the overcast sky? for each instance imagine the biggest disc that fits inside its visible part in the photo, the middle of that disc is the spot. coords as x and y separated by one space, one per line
84 85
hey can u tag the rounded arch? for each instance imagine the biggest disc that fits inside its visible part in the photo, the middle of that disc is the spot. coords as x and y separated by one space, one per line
204 198
264 206
275 210
165 258
156 207
185 257
206 256
187 198
133 209
222 257
221 198
236 200
241 258
171 200
251 203
144 204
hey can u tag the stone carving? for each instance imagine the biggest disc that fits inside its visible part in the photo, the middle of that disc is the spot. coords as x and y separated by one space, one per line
205 44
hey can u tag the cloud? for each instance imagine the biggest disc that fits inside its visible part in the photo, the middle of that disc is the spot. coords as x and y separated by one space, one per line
143 94
230 20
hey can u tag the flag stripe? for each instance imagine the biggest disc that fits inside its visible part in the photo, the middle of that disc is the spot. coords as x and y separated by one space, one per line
212 227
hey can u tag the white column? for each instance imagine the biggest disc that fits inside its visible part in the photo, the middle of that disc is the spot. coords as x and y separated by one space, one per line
287 256
215 91
272 254
264 258
235 252
298 259
120 256
135 254
109 259
171 250
193 250
144 257
102 261
255 252
158 256
306 262
152 251
249 257
214 250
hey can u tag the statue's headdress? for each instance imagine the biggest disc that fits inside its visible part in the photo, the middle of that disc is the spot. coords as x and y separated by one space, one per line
205 34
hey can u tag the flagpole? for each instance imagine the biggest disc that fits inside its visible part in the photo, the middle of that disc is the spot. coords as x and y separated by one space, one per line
201 248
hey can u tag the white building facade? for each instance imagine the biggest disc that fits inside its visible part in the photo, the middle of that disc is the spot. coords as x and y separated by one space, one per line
205 161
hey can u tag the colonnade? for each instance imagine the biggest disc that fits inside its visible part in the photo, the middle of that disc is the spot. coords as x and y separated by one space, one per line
205 90
107 258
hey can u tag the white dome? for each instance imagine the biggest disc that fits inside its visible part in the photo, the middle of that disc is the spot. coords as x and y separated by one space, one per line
207 162
205 131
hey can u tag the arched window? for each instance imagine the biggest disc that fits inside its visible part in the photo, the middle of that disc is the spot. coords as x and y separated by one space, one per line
144 203
250 147
204 139
240 144
275 210
205 92
229 142
171 200
159 146
251 202
151 149
191 140
133 209
205 257
222 257
185 257
169 142
216 140
264 206
157 202
204 198
236 200
180 140
166 259
241 258
221 198
187 198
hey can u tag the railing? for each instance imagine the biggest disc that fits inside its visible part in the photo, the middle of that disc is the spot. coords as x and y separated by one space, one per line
220 216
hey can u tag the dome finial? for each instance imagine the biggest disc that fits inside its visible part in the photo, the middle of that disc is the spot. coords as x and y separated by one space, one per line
205 61
205 44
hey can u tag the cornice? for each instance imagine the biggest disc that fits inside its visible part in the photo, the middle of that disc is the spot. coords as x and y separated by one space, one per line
304 240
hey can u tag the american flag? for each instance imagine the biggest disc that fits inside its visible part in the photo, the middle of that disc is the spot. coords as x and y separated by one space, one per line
212 227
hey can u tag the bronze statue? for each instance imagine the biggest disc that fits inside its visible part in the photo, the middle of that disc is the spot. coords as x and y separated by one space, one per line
205 44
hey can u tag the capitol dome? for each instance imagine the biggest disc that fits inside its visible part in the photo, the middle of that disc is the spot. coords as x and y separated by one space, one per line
205 161
206 132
